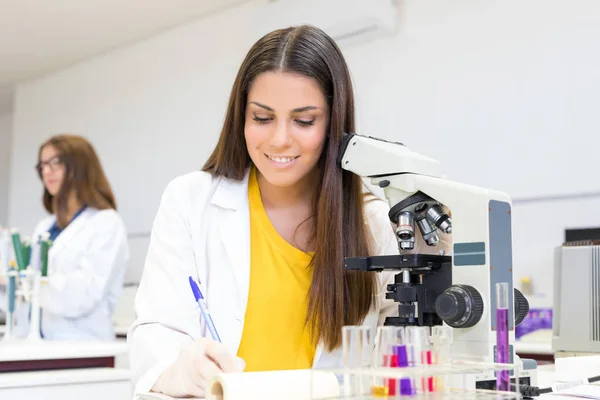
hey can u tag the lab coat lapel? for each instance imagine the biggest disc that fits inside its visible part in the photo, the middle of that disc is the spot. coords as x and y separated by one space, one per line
318 353
234 232
71 230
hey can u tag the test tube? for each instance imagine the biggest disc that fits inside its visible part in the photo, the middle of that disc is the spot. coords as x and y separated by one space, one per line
33 277
441 341
12 294
392 352
420 352
357 344
502 349
44 247
16 240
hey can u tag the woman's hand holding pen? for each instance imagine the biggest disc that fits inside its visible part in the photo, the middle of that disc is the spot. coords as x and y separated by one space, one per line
195 365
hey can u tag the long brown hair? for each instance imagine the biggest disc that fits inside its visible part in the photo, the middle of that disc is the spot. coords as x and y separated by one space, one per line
83 175
336 297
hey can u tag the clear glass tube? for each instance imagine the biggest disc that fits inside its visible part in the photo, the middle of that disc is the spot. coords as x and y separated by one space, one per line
502 295
357 345
420 354
391 351
502 349
441 342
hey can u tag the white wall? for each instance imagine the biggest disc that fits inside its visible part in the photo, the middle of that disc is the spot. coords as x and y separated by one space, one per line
5 155
503 93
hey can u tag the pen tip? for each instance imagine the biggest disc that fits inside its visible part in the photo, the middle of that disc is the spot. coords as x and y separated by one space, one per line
195 288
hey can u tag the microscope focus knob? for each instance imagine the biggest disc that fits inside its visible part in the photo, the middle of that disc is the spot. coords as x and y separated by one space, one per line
460 306
521 307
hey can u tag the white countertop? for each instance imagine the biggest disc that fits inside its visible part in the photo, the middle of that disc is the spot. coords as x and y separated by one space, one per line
57 377
537 342
23 350
534 347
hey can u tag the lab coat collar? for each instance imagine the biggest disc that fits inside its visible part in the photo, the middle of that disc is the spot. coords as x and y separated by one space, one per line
71 230
235 235
231 194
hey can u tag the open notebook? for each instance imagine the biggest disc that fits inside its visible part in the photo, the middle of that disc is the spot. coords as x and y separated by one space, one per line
273 385
591 392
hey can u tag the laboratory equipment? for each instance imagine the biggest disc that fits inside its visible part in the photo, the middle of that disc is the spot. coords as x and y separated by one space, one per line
11 292
392 351
45 244
398 374
502 349
19 249
537 319
34 281
576 312
23 284
23 320
357 348
457 290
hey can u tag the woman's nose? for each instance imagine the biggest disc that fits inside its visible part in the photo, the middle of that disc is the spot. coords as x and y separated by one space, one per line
281 135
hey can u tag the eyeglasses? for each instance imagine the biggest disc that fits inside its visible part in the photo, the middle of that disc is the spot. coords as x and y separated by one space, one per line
52 163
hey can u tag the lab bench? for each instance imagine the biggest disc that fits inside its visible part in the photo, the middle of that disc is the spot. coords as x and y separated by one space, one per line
26 355
51 370
87 383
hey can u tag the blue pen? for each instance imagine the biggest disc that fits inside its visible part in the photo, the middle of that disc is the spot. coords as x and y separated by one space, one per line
204 310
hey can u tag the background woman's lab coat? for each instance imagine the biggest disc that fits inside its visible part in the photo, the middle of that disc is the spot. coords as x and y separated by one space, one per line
202 230
86 269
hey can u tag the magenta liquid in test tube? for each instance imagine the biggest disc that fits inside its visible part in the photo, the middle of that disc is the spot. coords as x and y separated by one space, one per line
502 349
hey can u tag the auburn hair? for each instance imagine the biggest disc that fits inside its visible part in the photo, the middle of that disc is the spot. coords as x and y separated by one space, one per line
336 297
83 175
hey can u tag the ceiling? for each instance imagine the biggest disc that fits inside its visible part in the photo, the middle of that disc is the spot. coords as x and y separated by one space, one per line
39 36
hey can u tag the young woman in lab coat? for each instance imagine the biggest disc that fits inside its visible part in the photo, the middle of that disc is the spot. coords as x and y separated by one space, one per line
264 228
87 260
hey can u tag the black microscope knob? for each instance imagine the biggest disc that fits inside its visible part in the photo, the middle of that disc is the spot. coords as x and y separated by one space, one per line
460 306
521 307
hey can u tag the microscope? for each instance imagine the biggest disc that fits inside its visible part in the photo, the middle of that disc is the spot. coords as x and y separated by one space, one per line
457 290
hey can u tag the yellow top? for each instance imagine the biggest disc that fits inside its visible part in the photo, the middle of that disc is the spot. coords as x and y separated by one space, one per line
275 336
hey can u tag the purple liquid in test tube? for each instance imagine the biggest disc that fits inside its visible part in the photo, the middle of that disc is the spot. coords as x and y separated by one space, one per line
405 383
502 349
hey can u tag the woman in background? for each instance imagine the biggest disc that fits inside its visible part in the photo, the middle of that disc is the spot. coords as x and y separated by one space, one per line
89 252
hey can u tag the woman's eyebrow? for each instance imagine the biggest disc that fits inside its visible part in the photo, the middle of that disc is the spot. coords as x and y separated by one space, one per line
296 110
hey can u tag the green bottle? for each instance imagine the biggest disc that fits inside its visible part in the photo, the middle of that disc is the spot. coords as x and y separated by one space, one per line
26 246
44 247
16 239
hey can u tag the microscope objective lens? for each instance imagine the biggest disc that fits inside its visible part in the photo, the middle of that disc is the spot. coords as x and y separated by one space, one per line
406 226
428 231
439 218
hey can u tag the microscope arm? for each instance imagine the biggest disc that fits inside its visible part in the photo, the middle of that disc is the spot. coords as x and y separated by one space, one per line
372 157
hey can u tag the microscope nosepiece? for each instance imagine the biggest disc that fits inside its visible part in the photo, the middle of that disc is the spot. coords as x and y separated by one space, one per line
429 232
440 218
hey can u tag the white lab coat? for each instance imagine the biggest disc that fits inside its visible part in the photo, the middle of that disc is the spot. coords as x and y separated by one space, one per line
86 268
202 230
